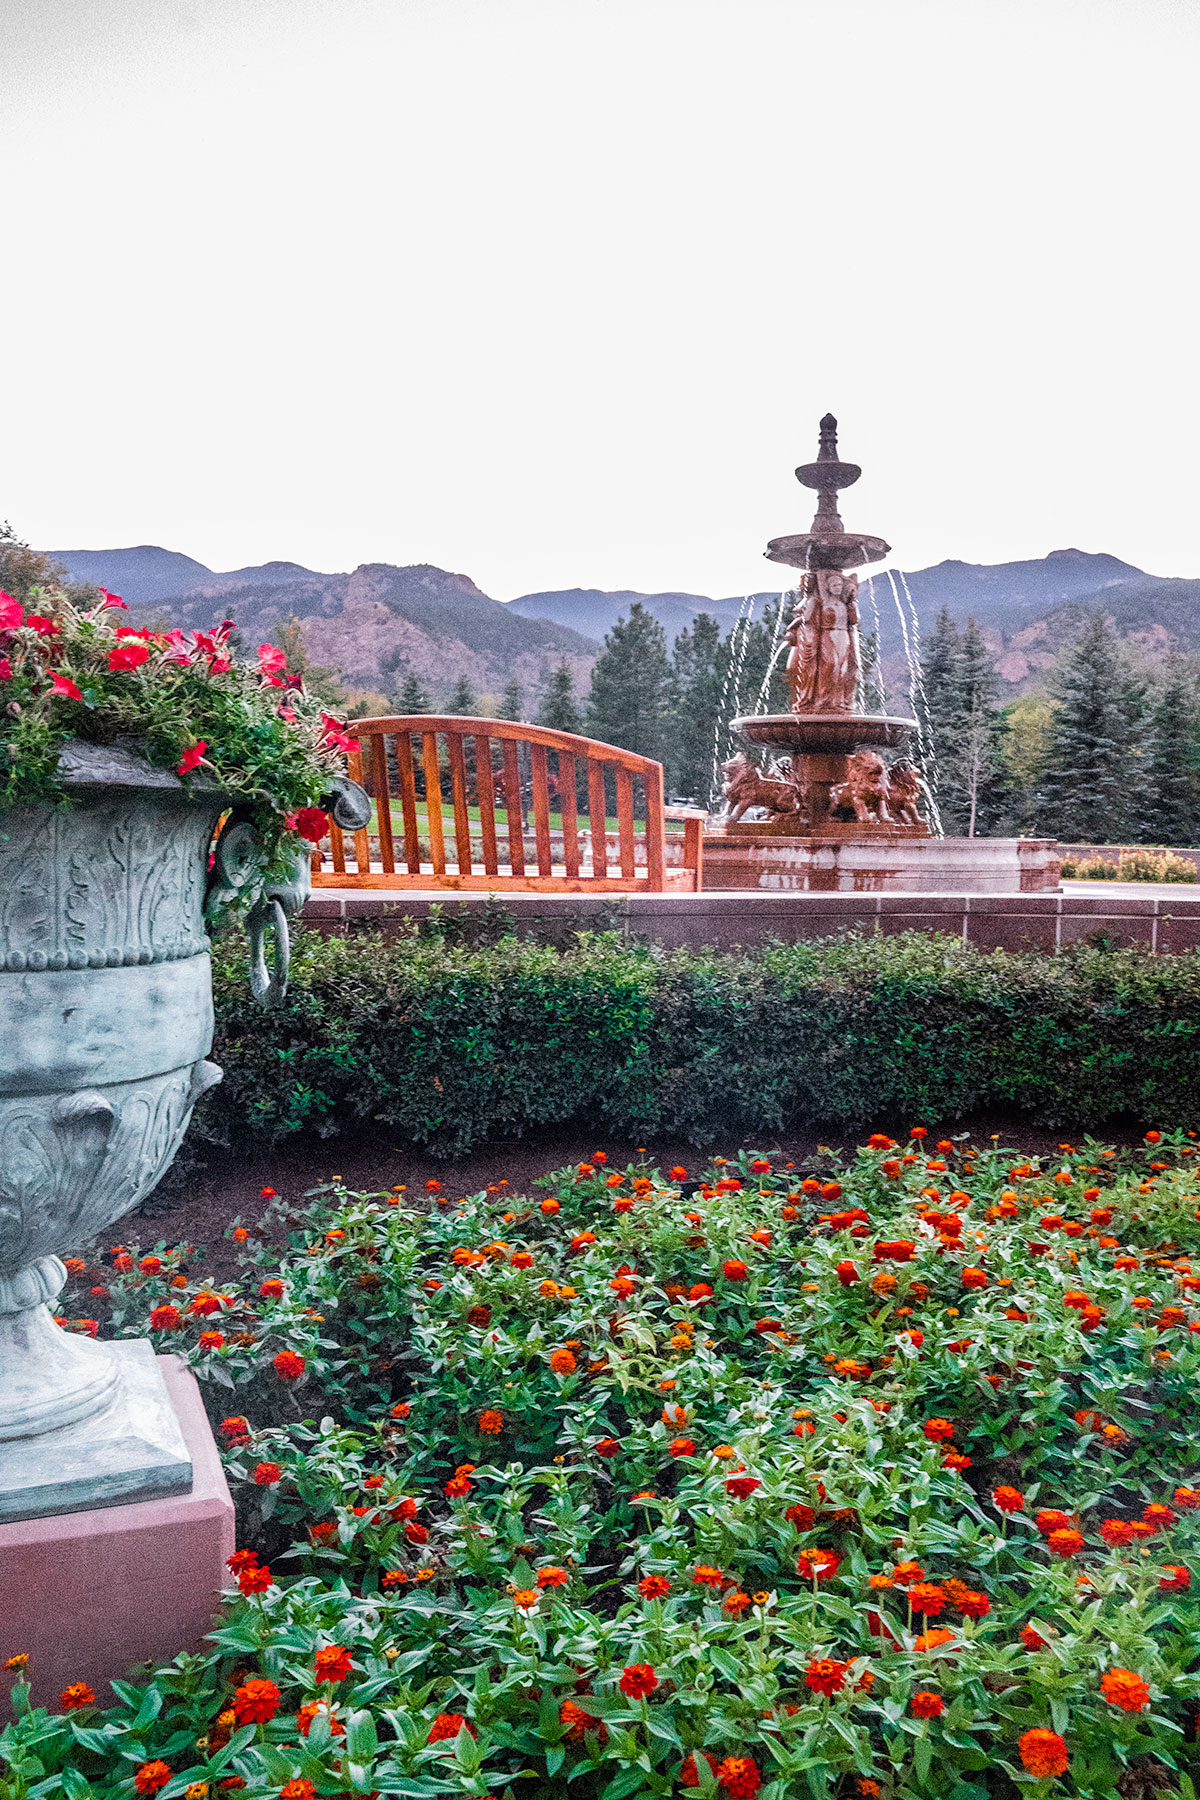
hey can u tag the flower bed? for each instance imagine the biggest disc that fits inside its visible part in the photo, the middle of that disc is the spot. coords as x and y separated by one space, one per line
870 1481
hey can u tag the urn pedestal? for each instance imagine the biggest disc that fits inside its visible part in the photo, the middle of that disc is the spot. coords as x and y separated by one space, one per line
105 1025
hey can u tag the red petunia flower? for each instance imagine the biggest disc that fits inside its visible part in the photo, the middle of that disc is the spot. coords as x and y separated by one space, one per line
125 657
191 758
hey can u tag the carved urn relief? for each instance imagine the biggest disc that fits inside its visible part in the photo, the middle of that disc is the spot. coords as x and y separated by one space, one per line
106 1015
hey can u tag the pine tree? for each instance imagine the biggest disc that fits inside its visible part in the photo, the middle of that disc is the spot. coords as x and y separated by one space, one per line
631 686
512 701
1091 785
699 674
1172 763
288 636
971 765
412 697
940 671
560 710
464 700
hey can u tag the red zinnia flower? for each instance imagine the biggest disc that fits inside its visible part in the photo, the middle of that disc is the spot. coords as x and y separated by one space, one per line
688 1776
165 1318
738 1777
448 1725
926 1597
638 1680
267 1474
332 1663
77 1695
927 1705
735 1270
1008 1499
253 1579
1176 1579
825 1675
1065 1543
818 1565
742 1486
256 1702
288 1366
151 1776
579 1723
654 1587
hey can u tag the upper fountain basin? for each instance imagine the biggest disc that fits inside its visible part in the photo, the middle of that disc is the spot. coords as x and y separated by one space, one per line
836 733
831 550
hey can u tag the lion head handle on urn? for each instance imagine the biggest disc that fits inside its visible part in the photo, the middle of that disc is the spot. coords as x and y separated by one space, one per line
237 876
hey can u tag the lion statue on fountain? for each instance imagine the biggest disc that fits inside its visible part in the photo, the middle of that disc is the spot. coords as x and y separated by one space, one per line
864 791
746 785
876 794
904 790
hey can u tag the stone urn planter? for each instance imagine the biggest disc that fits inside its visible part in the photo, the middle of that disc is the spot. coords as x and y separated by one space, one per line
106 1021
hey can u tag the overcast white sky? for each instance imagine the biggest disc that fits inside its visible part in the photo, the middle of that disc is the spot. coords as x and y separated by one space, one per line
554 291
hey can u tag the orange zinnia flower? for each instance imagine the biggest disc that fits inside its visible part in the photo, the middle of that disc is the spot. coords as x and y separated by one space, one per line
1121 1687
1043 1753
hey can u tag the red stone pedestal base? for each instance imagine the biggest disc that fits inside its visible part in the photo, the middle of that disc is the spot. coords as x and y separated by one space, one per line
91 1595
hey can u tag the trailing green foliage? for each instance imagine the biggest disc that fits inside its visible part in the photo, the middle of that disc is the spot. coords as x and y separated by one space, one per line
448 1046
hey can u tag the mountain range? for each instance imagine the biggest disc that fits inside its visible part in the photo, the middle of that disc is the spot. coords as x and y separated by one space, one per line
381 620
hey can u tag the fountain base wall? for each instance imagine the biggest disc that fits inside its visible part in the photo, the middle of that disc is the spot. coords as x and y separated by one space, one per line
902 860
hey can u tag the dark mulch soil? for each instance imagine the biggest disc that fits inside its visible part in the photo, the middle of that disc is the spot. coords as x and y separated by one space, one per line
210 1188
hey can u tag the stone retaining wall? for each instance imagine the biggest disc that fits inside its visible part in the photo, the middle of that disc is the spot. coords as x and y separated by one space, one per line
989 921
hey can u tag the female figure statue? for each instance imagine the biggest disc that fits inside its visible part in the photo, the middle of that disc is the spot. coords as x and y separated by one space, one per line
823 662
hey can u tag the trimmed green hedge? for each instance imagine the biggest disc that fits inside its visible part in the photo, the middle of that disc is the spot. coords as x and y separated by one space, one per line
447 1046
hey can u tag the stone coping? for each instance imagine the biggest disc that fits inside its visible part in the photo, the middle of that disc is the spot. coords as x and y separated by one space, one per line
727 917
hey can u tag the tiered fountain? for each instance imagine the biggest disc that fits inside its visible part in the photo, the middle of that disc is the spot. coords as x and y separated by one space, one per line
836 815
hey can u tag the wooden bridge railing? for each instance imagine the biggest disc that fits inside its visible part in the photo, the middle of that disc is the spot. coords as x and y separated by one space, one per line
504 786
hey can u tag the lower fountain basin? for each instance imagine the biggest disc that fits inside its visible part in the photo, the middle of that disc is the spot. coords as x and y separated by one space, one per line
850 859
823 733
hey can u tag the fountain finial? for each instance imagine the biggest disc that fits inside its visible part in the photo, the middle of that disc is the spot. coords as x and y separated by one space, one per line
828 545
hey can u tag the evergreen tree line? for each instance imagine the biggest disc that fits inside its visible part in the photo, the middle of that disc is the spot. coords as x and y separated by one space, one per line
1108 753
672 704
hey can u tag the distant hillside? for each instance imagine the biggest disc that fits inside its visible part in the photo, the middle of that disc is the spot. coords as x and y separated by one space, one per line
381 620
1005 595
374 624
141 574
594 611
